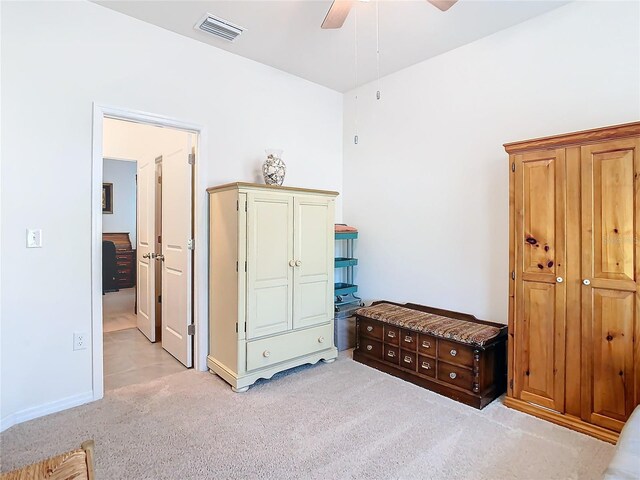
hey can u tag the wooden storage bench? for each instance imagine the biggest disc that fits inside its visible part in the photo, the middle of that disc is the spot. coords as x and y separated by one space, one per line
453 354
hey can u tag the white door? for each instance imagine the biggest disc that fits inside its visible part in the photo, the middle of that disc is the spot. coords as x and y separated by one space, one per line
313 253
146 291
176 259
270 264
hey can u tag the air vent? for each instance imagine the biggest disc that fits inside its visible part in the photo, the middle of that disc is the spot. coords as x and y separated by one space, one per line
218 27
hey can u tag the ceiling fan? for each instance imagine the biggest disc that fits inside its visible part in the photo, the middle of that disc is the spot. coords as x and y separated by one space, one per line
340 9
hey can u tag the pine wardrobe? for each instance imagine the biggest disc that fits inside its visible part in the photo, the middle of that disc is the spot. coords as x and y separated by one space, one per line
271 260
574 331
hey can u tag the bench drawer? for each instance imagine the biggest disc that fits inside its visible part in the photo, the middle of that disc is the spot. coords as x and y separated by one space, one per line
391 335
391 354
455 353
370 347
427 344
408 339
269 351
455 375
408 359
426 366
371 329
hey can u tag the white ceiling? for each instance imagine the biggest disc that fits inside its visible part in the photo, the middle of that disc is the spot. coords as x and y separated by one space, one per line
287 35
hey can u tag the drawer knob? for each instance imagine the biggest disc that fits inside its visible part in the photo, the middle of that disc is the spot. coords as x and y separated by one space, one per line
320 339
391 353
426 366
292 263
369 328
369 347
266 353
407 359
426 344
453 352
408 339
452 375
298 263
391 334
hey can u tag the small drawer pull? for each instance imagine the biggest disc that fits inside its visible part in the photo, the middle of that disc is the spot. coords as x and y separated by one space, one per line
391 353
426 344
369 347
369 328
452 375
426 366
407 359
320 339
391 334
266 353
453 353
408 339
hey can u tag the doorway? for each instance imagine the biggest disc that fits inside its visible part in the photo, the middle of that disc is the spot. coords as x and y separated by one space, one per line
155 332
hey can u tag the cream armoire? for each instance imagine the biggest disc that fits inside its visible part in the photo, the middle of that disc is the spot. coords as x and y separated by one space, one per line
574 331
271 264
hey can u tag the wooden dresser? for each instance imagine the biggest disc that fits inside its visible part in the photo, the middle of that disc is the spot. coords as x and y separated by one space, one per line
574 331
125 259
474 374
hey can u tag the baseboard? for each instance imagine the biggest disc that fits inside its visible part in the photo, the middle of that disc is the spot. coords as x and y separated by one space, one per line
46 409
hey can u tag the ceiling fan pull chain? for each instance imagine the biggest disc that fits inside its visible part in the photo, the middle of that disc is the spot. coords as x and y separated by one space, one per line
378 49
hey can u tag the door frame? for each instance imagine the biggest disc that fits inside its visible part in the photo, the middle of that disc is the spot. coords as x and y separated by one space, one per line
200 254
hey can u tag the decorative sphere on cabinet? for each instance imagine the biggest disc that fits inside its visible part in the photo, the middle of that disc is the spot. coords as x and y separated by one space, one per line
273 168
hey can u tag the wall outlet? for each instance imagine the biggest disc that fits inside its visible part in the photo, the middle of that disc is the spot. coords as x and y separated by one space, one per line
80 341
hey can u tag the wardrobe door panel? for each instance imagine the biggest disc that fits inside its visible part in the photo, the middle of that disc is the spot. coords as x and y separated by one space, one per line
610 275
539 321
269 275
313 253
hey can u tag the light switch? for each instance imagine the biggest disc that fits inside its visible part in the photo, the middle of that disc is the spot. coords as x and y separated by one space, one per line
34 238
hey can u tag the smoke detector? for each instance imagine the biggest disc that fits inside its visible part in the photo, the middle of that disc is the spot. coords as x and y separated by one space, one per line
218 27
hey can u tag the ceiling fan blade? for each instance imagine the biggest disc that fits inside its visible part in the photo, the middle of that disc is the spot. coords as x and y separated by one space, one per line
443 5
337 13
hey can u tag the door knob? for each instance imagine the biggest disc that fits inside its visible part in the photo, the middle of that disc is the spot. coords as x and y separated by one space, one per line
292 263
160 257
586 281
146 255
559 279
298 263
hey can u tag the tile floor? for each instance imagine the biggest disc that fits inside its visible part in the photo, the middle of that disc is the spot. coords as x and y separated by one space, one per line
118 310
129 358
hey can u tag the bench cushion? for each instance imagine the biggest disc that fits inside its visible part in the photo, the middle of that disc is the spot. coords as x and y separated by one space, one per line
452 328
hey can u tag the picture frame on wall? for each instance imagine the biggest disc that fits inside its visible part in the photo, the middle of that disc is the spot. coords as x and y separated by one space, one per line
107 198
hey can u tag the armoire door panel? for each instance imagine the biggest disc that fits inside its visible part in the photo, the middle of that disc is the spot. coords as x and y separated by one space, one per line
609 291
313 253
539 204
269 274
539 320
538 358
613 222
612 359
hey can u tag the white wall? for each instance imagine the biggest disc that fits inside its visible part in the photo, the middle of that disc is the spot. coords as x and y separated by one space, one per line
123 219
427 185
57 59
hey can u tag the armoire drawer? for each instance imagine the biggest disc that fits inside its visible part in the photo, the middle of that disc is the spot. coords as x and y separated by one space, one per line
272 350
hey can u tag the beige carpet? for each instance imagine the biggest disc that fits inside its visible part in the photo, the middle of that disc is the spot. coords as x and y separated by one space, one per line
118 310
343 420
